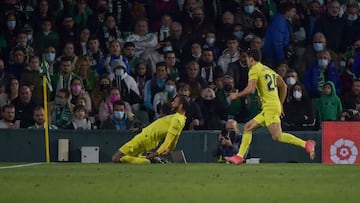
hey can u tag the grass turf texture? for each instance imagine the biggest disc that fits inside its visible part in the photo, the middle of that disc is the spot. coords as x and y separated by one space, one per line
175 183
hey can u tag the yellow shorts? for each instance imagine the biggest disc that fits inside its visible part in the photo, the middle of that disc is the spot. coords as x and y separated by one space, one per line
134 147
268 116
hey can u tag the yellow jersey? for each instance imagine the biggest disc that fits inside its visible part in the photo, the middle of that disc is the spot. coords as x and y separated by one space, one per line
157 130
266 85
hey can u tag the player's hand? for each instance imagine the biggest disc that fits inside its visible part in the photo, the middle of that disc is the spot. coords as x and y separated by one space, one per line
165 153
282 112
152 155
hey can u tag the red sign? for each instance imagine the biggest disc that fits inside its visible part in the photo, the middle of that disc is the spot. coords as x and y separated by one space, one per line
341 142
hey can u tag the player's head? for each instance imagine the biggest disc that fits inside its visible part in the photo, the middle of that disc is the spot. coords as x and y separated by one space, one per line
253 56
180 104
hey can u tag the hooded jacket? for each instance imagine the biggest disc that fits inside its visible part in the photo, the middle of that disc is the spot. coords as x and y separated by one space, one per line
329 106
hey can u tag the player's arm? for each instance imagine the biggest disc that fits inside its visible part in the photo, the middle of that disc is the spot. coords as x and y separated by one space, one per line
282 87
249 89
165 146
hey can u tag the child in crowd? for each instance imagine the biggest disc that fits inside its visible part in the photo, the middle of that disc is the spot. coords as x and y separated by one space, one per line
329 105
80 120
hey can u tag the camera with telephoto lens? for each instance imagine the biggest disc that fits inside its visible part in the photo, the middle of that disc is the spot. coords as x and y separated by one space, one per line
353 112
225 135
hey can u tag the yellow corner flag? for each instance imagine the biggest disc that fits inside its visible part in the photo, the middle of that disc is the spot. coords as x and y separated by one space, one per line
47 150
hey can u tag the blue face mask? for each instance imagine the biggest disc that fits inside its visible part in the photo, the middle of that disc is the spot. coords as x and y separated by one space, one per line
166 49
323 62
50 57
29 38
352 17
119 114
318 47
119 72
239 34
249 9
11 24
169 88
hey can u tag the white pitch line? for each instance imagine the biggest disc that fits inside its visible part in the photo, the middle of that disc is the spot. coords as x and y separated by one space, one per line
19 166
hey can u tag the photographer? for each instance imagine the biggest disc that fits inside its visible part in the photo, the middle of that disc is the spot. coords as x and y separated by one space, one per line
351 114
228 141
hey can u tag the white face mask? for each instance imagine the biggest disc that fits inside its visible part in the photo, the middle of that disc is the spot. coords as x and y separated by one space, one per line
196 55
290 81
210 40
297 95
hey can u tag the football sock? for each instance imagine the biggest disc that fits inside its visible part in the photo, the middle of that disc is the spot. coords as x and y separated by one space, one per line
134 160
245 143
291 139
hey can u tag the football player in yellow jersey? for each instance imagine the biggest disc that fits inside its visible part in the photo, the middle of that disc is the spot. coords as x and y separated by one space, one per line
167 128
272 91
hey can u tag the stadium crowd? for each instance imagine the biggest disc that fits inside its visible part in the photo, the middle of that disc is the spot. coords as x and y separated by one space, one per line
114 64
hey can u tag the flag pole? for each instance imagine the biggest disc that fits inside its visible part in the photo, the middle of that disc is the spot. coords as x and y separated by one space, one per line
47 150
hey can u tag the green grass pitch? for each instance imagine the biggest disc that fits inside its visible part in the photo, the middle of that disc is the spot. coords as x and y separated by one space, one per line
179 183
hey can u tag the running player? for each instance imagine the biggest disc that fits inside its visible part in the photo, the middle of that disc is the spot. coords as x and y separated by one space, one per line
272 92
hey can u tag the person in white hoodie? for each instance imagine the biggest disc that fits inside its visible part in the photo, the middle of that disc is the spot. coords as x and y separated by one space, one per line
129 90
230 54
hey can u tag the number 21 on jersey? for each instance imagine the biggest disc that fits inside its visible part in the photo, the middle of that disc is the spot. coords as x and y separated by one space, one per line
271 82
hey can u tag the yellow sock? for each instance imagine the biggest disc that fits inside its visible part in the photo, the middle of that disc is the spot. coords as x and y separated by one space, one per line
245 143
291 139
134 160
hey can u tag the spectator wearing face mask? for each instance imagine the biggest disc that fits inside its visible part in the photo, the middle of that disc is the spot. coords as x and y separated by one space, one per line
106 106
321 71
212 110
22 43
49 56
152 56
299 111
77 91
291 77
332 26
246 15
129 90
198 26
120 120
319 43
212 44
235 107
163 99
